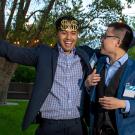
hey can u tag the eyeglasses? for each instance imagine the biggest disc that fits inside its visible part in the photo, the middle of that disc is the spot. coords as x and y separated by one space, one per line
104 36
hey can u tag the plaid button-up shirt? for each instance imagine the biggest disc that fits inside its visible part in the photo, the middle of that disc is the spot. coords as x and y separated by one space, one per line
64 99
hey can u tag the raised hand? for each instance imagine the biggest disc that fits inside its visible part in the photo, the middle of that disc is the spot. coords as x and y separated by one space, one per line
92 79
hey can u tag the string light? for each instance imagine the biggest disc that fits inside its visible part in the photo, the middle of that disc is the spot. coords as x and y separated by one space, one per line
18 42
120 21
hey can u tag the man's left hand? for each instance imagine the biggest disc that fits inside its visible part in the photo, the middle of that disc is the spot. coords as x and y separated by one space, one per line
110 103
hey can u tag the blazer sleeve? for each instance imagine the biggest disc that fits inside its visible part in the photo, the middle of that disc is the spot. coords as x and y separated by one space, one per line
88 50
131 80
132 108
21 55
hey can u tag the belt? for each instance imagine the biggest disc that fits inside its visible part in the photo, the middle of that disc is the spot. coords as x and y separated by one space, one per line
45 120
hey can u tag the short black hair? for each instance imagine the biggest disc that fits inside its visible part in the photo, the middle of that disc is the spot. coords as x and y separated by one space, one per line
128 37
65 17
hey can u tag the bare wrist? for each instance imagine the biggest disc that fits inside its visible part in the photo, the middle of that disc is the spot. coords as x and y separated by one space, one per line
123 104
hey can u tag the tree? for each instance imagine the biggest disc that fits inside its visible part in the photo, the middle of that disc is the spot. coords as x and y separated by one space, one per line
92 20
18 17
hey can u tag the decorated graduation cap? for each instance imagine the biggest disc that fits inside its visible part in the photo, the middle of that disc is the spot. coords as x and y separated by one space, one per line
67 22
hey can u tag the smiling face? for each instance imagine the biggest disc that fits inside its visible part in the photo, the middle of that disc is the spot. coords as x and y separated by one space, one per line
67 39
67 33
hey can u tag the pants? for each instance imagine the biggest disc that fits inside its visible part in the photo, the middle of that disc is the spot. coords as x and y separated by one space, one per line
60 127
105 131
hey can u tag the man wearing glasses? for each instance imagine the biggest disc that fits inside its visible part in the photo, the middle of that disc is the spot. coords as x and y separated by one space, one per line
112 109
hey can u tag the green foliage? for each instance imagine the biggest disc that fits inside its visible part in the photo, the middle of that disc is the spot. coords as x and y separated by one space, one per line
11 119
92 19
131 52
130 1
24 74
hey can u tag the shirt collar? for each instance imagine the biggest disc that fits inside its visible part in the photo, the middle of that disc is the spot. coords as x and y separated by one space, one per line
120 61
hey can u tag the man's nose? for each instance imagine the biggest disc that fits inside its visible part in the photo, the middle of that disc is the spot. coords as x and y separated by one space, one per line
68 36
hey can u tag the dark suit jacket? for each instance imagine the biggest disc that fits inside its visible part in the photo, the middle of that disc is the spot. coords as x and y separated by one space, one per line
44 58
125 123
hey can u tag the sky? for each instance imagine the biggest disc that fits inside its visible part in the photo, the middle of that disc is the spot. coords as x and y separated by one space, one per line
129 11
126 11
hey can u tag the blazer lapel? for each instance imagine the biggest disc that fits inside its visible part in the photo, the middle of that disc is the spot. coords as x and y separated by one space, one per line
84 56
55 55
99 67
127 71
101 63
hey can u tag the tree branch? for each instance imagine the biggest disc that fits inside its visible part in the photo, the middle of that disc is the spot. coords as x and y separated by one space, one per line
44 18
2 19
20 15
33 14
27 6
11 16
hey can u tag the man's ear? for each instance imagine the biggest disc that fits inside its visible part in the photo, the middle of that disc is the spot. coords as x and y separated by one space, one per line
118 43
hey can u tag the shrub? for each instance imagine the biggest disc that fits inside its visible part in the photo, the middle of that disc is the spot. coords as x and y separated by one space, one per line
131 52
24 74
